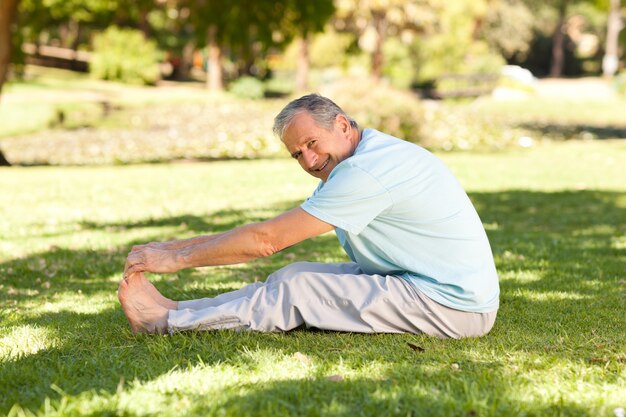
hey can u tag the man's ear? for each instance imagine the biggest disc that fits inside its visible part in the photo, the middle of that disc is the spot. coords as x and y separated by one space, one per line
344 123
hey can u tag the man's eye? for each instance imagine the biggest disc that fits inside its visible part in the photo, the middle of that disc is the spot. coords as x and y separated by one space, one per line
296 155
312 143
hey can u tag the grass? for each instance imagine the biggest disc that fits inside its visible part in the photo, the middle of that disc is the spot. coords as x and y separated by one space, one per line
555 215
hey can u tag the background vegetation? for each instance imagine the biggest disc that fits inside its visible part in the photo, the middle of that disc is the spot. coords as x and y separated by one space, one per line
407 42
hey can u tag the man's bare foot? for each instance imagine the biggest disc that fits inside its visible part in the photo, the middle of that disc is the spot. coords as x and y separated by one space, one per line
149 288
144 314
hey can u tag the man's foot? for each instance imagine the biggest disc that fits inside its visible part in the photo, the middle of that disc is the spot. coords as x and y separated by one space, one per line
144 314
149 288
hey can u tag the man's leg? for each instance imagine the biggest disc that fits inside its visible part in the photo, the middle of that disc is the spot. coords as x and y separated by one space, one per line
281 274
146 308
326 296
333 297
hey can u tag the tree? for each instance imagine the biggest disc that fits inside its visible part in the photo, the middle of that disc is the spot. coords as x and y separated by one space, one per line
8 10
508 28
456 46
562 9
242 28
304 18
65 18
373 20
558 40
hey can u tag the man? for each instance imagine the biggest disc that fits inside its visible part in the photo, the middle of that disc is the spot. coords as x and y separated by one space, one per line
421 260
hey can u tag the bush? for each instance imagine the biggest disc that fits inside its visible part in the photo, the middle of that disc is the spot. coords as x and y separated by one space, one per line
379 106
461 127
248 87
125 55
436 126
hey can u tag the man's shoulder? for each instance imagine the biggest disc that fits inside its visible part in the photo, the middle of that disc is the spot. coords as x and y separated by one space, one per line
382 144
372 137
380 151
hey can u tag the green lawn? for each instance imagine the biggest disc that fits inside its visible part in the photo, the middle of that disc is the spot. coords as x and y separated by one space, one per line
555 215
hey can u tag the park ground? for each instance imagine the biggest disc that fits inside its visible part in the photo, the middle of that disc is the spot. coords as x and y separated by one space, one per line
554 209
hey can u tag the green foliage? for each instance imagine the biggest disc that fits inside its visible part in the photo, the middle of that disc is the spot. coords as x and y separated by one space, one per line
379 106
452 48
252 31
304 17
328 49
125 55
398 64
248 87
509 28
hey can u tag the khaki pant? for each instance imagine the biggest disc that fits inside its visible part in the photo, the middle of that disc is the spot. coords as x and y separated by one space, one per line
332 297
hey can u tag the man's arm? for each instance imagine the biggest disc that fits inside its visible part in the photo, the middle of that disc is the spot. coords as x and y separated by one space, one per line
242 244
178 244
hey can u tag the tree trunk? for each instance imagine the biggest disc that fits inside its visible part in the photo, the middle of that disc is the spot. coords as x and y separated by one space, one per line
214 66
610 61
302 72
380 24
3 160
186 61
8 9
246 62
558 43
144 24
75 33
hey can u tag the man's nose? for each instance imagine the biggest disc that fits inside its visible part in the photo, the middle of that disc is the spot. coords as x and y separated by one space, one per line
309 158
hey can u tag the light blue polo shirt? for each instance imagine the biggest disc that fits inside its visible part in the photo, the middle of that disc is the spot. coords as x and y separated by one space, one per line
398 210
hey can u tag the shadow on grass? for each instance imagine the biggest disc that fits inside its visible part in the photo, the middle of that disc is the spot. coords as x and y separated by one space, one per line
559 256
215 222
392 396
575 131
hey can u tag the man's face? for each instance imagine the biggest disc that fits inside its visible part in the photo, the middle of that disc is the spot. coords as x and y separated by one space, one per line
316 149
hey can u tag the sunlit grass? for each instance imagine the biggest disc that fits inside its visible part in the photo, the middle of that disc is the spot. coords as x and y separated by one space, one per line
32 340
555 215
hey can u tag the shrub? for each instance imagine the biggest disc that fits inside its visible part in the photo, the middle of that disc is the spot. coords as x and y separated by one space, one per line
434 125
125 55
379 106
453 127
248 87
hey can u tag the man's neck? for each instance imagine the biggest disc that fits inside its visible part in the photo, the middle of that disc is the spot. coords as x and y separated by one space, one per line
356 139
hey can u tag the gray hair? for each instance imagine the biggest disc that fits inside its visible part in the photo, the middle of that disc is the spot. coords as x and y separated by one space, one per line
323 111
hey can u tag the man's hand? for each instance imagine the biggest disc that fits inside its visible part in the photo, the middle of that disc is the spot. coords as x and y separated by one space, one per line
152 258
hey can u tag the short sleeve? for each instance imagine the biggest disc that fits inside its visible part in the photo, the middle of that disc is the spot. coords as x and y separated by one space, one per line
349 200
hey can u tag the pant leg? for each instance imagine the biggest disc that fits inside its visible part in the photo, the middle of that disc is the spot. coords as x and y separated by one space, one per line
332 298
279 275
202 303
